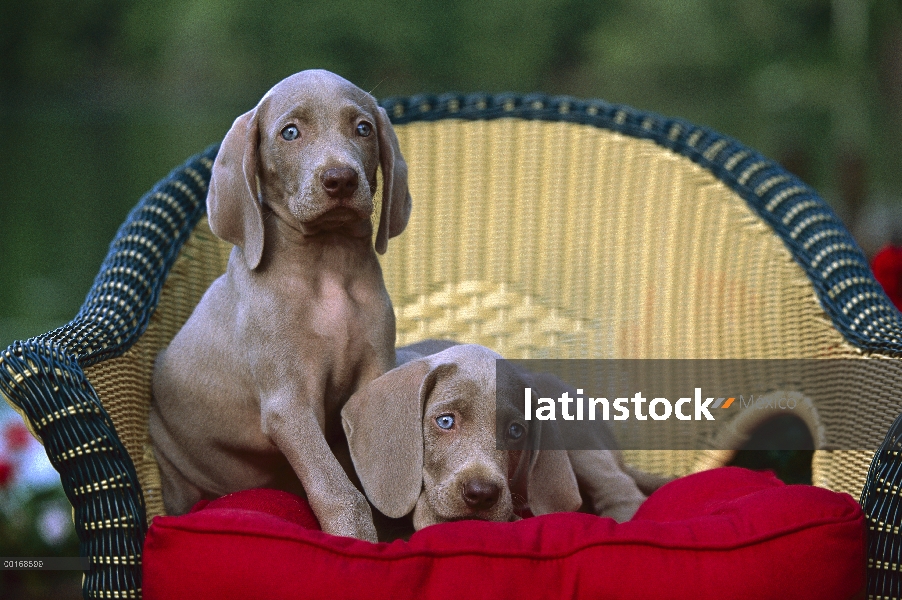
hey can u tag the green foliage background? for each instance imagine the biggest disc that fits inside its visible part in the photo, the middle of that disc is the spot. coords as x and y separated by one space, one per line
100 98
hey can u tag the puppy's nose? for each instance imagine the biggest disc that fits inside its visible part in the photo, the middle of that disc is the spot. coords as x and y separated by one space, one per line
480 495
339 182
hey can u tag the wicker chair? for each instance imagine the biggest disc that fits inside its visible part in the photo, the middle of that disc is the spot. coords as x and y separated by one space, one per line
542 227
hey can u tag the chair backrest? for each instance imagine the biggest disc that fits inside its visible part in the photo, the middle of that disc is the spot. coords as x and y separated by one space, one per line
542 227
550 227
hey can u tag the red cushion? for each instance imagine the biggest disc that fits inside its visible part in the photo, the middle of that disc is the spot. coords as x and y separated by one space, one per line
724 533
887 266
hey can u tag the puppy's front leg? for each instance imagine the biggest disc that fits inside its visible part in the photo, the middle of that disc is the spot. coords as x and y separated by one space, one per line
612 492
339 506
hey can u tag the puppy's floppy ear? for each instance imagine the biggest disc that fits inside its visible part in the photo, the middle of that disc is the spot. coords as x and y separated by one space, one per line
396 202
233 208
383 422
551 485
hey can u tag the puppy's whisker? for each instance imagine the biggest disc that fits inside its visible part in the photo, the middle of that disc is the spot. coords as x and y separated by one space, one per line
377 85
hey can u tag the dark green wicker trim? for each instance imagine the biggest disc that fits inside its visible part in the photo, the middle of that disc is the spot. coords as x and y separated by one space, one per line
880 500
96 472
817 240
125 293
44 377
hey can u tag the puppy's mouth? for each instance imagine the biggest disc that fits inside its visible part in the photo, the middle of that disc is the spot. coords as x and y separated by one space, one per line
488 516
465 513
341 219
473 517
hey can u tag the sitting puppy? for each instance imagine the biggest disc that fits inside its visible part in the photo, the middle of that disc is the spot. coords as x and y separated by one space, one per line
249 391
423 440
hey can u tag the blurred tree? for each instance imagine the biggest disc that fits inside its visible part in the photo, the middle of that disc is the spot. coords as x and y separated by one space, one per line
99 98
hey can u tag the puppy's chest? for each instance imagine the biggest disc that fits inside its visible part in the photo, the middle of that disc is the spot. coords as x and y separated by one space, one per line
348 319
340 333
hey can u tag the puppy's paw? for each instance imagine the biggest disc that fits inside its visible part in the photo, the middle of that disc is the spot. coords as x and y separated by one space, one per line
355 520
620 512
359 530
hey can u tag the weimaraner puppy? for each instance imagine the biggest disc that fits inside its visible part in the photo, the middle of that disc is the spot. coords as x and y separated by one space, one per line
249 391
423 440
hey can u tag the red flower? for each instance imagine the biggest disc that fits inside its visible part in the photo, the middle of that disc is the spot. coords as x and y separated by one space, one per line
16 436
6 473
887 267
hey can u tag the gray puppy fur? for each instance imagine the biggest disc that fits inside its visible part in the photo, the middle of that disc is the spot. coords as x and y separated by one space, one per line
249 391
411 458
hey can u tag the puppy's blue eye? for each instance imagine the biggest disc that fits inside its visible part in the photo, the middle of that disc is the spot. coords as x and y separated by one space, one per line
364 129
515 431
445 421
290 133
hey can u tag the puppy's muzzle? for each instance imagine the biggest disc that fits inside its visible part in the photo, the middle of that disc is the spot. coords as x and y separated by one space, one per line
480 495
340 182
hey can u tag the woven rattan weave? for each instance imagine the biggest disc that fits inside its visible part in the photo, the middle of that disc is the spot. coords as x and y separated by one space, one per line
542 227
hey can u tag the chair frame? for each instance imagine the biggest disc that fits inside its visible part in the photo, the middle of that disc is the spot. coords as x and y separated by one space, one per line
44 377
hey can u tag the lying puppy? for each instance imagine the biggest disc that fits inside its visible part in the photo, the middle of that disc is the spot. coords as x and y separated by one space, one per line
423 440
248 393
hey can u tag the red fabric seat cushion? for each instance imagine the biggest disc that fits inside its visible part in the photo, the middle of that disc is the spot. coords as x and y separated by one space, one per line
724 533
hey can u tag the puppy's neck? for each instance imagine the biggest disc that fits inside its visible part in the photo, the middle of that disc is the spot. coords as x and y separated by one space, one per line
287 249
